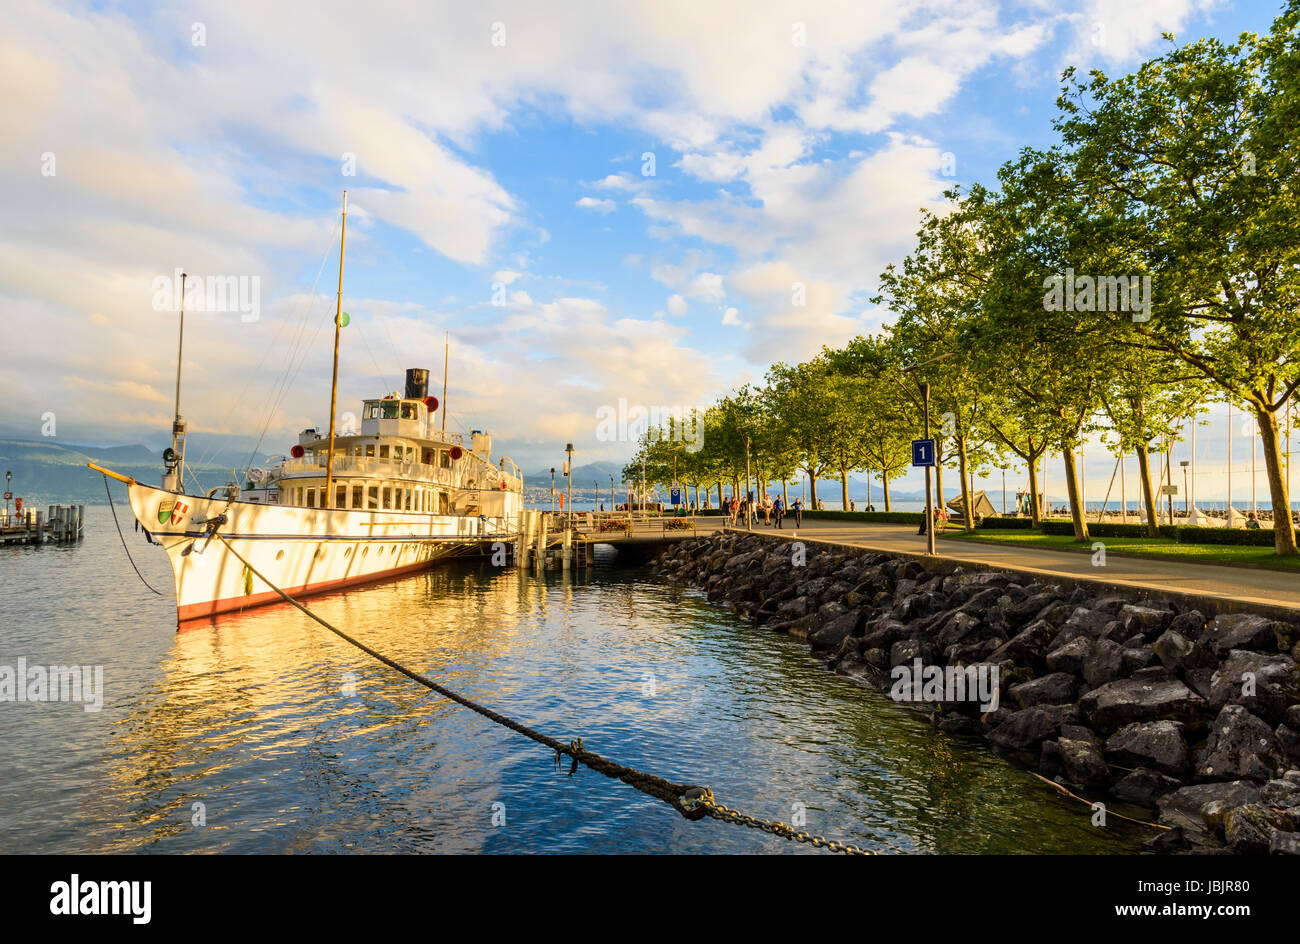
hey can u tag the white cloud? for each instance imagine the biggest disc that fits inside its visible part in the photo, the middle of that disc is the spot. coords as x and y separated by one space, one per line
596 205
676 306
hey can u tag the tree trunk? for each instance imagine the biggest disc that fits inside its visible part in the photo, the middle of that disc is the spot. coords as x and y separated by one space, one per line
884 483
785 494
938 478
1034 517
1148 491
1283 530
812 490
844 487
968 513
1077 516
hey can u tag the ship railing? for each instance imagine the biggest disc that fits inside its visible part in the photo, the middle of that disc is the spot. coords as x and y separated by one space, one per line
372 466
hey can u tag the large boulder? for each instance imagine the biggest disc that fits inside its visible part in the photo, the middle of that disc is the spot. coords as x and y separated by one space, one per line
1028 646
1158 745
833 633
1022 730
1232 631
1249 829
1071 656
1265 685
1183 806
1144 786
1172 648
1083 763
1054 689
1147 621
1240 746
1125 701
1105 664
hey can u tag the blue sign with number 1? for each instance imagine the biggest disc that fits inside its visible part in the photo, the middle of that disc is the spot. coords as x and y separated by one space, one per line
675 496
922 452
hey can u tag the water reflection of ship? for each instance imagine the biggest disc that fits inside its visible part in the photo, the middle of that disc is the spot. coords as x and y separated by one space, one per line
273 696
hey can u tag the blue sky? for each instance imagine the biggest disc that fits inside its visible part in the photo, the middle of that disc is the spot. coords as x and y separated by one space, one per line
495 152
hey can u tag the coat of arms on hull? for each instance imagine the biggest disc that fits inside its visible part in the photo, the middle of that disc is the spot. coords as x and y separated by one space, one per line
172 512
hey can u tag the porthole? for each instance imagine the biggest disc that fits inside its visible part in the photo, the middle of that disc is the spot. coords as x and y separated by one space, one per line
279 555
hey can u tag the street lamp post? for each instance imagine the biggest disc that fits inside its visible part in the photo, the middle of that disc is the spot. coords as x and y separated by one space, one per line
1187 507
552 489
929 495
927 526
749 493
568 471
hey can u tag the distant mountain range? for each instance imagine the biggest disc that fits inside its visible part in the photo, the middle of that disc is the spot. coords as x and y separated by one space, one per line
46 472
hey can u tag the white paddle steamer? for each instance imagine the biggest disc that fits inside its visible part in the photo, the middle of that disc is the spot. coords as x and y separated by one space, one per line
388 499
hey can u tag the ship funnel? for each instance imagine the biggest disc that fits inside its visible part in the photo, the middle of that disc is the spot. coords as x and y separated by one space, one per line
417 383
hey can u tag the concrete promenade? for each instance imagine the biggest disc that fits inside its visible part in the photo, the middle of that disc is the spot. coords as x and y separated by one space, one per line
1228 585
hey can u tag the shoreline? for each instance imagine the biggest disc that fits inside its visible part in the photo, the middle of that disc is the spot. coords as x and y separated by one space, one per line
1121 695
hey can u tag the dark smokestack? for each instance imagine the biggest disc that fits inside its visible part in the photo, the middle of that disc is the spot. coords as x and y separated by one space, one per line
417 383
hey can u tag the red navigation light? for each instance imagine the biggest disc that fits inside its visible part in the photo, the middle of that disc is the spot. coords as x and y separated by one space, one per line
455 452
431 403
297 452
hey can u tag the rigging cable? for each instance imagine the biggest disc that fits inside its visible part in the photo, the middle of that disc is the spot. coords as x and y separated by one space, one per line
109 493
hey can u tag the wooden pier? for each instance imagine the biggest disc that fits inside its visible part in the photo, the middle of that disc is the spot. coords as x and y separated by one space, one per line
567 540
59 524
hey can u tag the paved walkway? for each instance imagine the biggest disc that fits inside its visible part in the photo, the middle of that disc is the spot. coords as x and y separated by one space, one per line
1239 584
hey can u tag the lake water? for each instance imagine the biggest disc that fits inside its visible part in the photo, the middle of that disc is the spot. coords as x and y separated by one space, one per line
267 734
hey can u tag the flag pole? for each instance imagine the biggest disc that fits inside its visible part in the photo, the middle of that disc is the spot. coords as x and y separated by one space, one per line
334 383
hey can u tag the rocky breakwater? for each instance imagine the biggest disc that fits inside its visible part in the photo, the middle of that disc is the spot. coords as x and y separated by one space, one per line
1121 697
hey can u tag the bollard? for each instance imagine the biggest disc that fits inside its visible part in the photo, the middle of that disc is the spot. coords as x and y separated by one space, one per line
567 560
542 529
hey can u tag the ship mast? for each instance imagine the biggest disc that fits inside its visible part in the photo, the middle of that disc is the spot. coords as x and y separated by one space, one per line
177 451
446 352
334 382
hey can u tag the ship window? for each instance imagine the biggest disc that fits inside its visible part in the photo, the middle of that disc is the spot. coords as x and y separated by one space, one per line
340 496
370 449
390 409
372 410
356 496
311 498
373 500
388 498
445 458
383 451
407 498
408 411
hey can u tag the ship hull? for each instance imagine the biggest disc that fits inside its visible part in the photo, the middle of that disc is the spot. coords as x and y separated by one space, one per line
302 551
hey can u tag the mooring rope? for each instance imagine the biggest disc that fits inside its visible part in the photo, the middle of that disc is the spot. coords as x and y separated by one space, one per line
693 802
109 493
